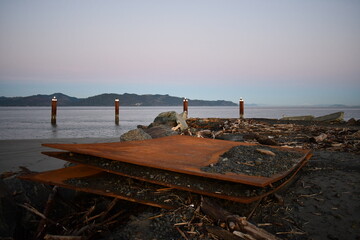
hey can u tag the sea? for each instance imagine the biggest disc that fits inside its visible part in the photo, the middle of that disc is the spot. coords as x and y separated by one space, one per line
99 122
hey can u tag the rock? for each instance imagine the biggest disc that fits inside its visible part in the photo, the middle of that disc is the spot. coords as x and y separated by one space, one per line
160 131
266 152
353 122
337 144
134 135
266 140
204 134
171 119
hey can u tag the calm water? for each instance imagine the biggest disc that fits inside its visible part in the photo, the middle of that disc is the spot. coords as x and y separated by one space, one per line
87 122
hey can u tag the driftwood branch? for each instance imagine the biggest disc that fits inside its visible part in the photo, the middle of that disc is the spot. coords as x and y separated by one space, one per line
48 206
109 208
36 212
234 222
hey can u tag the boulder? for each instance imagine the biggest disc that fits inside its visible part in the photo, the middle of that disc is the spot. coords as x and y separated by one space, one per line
134 135
171 119
160 131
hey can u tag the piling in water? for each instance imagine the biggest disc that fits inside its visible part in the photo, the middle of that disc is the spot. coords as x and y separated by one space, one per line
53 110
185 105
241 106
117 111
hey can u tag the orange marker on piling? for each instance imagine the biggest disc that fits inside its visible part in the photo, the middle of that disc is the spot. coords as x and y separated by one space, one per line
117 111
53 110
241 106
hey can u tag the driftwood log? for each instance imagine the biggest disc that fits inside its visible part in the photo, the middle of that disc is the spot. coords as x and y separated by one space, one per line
236 224
56 237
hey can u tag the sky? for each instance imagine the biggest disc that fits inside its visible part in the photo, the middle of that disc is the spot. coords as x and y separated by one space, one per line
267 52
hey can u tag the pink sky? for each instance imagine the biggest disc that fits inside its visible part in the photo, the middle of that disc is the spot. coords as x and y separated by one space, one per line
304 52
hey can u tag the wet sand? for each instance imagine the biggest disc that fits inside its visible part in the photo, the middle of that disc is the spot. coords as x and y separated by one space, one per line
27 153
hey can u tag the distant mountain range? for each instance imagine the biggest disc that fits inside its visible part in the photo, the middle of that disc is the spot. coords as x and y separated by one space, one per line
108 99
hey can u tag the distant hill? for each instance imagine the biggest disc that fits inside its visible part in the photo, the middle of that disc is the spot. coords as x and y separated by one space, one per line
38 100
107 99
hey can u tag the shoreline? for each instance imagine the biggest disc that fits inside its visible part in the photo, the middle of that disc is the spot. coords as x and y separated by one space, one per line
322 202
27 153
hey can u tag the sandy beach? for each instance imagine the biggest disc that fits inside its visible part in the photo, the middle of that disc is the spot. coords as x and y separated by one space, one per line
27 153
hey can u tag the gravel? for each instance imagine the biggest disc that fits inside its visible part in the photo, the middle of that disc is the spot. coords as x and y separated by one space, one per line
250 160
131 188
172 179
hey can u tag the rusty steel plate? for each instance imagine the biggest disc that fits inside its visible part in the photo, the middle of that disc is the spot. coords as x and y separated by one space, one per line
103 183
211 187
183 154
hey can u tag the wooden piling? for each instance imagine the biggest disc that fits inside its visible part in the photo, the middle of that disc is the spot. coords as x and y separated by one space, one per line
185 105
117 111
53 110
241 106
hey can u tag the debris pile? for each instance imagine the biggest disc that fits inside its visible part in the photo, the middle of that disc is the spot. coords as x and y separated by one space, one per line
172 173
344 136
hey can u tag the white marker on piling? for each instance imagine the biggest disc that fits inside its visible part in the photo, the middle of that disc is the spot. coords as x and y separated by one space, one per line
117 111
241 106
53 110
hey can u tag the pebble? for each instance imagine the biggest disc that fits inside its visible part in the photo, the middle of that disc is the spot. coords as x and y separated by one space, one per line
266 152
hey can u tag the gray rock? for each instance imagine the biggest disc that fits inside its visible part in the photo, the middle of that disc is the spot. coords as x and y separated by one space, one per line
160 131
171 119
134 135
